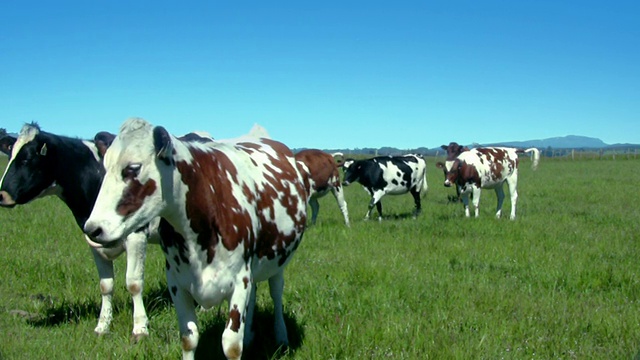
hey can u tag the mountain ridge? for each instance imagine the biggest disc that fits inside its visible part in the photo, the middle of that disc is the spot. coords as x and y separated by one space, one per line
566 143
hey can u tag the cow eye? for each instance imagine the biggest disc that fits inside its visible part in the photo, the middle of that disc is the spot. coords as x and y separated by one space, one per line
131 171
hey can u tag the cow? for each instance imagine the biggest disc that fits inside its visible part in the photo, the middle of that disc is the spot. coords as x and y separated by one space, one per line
321 176
233 213
392 175
486 168
42 164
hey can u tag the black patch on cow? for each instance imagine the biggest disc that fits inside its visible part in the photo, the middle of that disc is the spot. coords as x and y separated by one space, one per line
174 290
172 239
193 137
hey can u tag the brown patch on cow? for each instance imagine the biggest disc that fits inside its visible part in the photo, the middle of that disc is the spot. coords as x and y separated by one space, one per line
468 174
103 289
234 319
133 196
245 280
208 218
134 289
186 343
323 170
233 352
496 170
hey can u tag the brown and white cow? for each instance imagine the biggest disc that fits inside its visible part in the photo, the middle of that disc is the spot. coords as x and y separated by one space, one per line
321 176
485 168
233 213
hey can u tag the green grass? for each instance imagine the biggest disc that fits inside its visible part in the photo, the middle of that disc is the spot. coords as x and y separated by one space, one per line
560 282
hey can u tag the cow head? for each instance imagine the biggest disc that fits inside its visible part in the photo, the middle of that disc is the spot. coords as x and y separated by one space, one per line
352 170
451 166
6 144
139 157
103 140
30 171
451 171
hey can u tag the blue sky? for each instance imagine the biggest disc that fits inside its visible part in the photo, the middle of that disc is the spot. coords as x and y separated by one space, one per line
330 74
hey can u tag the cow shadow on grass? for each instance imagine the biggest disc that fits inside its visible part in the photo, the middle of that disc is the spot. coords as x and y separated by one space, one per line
156 299
264 343
56 312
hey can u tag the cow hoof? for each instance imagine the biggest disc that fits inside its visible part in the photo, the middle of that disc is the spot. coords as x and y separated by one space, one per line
135 338
139 333
101 330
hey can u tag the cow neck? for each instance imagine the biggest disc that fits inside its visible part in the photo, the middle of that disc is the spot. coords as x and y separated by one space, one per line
77 171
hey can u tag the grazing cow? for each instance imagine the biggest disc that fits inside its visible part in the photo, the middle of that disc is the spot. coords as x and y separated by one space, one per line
321 175
43 164
233 213
392 175
486 168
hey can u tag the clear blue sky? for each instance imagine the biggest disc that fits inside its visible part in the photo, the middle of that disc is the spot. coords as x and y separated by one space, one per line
326 74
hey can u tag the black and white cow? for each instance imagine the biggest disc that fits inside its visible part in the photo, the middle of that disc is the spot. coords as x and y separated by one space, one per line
485 168
43 164
233 213
392 175
321 176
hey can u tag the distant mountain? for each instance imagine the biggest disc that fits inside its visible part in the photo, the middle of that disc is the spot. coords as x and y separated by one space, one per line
564 142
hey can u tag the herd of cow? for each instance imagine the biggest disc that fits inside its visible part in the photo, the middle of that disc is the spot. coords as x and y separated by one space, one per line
227 213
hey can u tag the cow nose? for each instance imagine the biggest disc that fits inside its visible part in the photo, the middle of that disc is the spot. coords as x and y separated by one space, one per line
92 230
447 183
6 199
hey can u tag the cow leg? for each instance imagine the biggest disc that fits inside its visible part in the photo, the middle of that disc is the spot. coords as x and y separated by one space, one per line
248 326
233 334
342 204
475 194
105 272
136 244
500 196
187 321
416 199
375 201
276 288
465 202
513 192
315 207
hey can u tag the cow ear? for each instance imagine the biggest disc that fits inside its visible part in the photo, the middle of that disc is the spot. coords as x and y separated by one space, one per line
103 140
443 147
162 144
43 149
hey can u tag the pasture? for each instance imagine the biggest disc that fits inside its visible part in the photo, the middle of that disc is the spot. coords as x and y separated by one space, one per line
562 281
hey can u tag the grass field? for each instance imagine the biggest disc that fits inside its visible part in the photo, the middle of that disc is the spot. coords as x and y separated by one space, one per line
560 282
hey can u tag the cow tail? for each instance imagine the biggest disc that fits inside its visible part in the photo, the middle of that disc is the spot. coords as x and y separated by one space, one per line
536 157
424 187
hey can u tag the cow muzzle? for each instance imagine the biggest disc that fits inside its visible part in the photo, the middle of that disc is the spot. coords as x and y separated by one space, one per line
447 183
6 200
